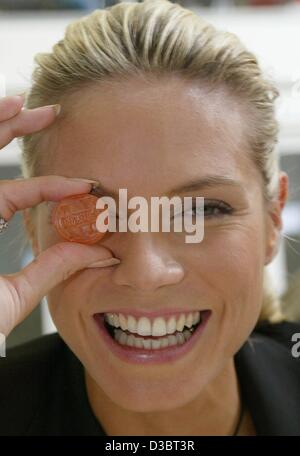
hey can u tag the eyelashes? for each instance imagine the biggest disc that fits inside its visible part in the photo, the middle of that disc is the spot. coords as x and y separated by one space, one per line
219 209
216 208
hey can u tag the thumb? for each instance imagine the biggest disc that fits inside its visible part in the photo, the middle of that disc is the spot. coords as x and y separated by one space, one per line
49 268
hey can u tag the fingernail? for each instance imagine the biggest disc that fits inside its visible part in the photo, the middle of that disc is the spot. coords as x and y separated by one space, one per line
79 179
56 108
104 263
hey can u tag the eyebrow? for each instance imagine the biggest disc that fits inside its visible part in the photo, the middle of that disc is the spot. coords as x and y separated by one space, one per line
209 181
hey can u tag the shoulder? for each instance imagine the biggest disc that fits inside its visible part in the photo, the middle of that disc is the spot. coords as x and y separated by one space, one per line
278 340
24 379
286 333
42 391
31 357
279 344
275 345
268 367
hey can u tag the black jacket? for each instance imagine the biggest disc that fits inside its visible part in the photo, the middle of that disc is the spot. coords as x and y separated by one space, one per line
42 389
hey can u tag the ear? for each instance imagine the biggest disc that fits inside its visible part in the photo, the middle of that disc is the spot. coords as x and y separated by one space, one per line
30 230
275 218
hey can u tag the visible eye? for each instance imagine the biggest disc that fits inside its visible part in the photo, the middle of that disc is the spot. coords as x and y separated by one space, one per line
217 209
211 209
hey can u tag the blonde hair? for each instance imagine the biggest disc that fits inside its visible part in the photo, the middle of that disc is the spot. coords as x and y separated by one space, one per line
291 298
160 37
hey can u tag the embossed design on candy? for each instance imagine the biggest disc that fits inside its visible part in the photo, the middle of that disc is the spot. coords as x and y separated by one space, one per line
74 219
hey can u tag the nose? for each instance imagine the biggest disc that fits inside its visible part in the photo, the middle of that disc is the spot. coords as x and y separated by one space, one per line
146 263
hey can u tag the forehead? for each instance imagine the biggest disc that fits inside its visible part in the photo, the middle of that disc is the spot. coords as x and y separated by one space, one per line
142 135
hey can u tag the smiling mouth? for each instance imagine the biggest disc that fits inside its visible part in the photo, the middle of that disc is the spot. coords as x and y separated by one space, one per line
152 334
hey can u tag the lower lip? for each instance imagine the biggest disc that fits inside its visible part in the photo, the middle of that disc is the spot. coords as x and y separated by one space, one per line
151 356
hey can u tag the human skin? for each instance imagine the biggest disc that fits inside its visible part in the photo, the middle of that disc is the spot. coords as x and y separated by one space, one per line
150 138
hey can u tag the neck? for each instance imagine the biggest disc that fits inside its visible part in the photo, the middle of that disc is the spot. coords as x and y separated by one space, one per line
217 409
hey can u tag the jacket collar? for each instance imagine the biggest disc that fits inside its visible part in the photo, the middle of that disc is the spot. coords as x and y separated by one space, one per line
269 378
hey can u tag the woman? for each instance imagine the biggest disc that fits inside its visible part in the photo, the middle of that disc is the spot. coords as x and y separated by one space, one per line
154 100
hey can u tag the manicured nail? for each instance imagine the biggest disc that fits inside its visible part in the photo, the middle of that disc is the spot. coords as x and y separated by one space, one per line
56 108
79 179
104 263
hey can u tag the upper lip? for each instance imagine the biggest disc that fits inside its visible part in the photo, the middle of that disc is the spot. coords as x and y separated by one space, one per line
151 314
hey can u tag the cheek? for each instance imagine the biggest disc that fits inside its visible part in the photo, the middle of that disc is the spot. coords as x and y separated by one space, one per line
236 260
75 298
227 256
227 270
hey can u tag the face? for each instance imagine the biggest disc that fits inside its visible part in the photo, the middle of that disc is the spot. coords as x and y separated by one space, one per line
149 139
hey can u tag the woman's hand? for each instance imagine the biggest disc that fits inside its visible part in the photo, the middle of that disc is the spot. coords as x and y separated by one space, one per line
21 292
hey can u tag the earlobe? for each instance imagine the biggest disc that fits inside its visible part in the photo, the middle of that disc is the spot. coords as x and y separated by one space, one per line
272 238
272 249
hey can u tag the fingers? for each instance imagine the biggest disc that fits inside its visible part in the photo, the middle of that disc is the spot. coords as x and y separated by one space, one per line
47 270
18 194
10 106
15 122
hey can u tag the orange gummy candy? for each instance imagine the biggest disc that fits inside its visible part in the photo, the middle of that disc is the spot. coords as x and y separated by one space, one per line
74 219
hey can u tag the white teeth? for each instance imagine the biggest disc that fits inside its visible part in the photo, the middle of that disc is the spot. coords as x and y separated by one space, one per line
196 317
187 334
155 343
147 343
159 327
130 340
144 327
123 338
123 322
180 338
138 342
180 322
171 325
172 340
110 319
131 322
163 342
189 320
116 321
117 333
